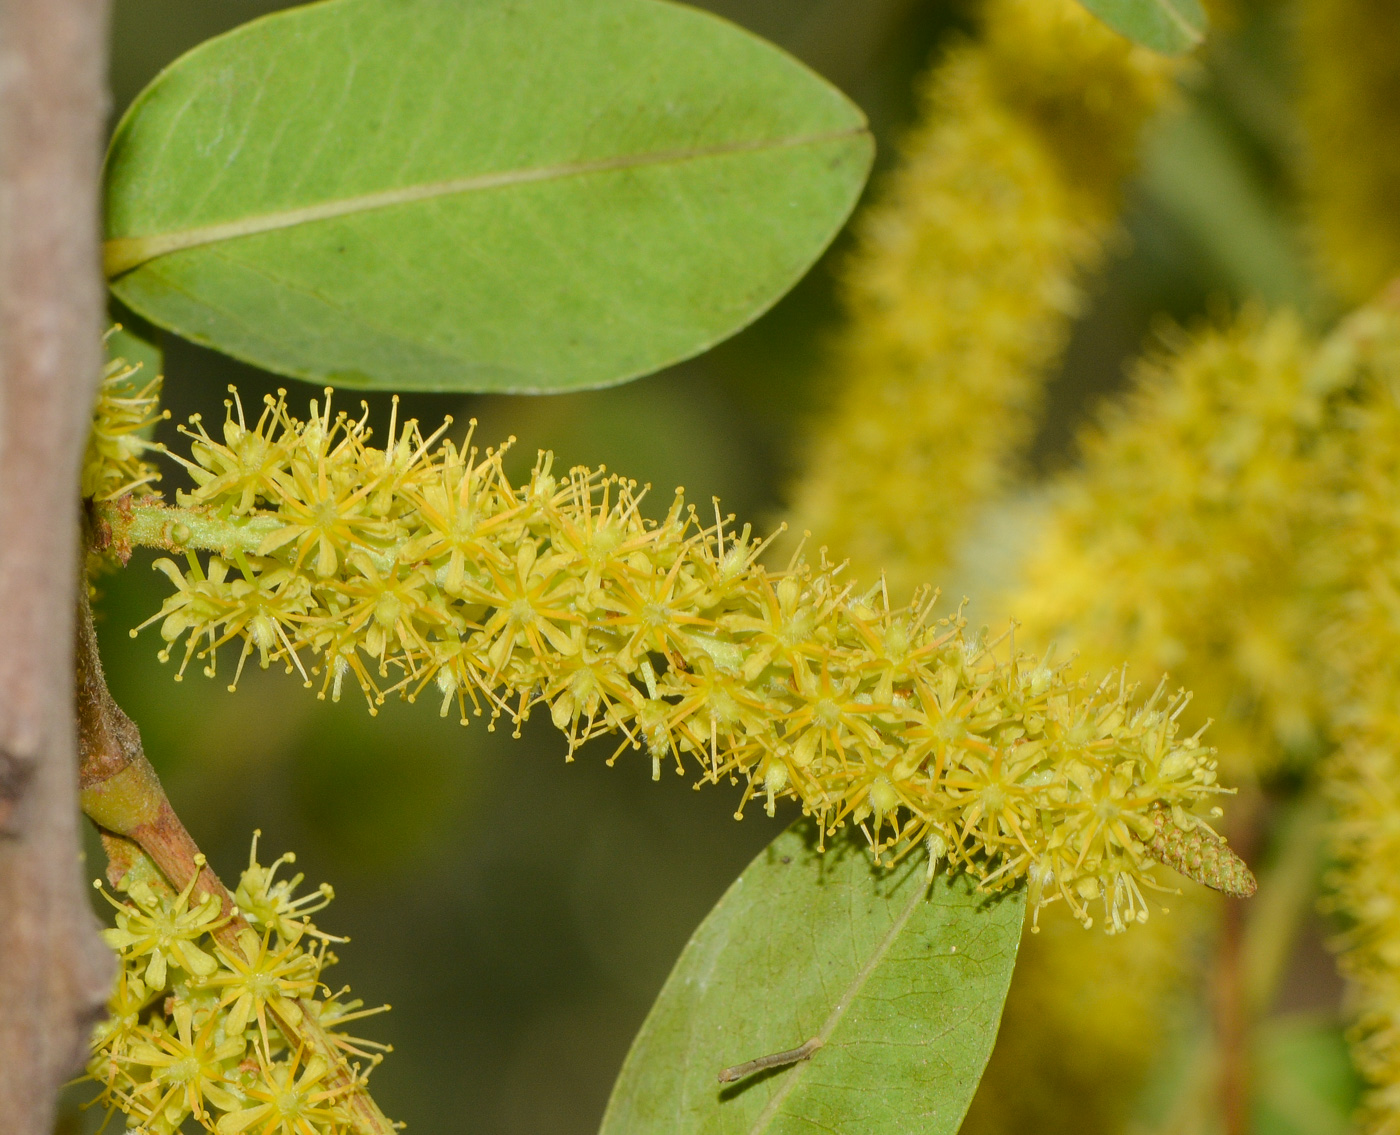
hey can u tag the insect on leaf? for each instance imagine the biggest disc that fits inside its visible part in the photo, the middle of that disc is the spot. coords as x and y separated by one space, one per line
902 983
521 195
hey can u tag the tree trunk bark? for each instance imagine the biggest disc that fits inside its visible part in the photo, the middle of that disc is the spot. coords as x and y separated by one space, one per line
54 971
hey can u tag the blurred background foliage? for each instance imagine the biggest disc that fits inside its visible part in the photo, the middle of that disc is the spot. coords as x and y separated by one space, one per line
519 913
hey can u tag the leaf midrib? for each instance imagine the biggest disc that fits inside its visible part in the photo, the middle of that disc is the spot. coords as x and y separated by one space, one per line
122 254
848 996
1193 34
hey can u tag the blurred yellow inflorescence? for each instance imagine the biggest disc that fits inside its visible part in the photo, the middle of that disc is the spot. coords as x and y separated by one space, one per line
966 277
1363 644
1181 542
196 1027
419 567
1186 541
1350 108
1085 1021
1236 518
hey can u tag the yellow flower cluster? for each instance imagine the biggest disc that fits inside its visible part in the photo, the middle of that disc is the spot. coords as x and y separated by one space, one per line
962 289
113 464
419 567
1235 519
1350 108
1363 777
1187 541
195 1027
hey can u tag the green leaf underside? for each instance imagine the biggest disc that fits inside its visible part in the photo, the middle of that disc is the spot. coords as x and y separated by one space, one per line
1172 27
521 195
903 982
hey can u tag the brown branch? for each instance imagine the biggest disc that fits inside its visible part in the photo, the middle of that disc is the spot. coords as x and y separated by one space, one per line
54 971
1234 1013
122 794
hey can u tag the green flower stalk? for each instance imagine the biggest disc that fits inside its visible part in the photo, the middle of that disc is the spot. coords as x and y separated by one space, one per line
1350 108
196 1028
418 568
966 278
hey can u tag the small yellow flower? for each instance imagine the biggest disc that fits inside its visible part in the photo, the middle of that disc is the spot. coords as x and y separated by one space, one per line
965 280
113 466
267 902
208 1033
263 972
187 1065
289 1100
163 933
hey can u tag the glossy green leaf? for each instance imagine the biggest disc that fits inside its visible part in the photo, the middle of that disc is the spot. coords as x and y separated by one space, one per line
514 195
902 981
1172 27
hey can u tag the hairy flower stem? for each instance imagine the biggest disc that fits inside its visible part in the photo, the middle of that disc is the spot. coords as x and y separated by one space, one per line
125 524
123 796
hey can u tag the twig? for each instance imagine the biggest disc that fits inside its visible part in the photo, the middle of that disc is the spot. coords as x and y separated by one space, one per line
54 971
1233 1008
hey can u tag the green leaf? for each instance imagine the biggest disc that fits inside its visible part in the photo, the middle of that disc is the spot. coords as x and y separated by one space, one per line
1304 1081
903 983
1206 180
1172 27
512 195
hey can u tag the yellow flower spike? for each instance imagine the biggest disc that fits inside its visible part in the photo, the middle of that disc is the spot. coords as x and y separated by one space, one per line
1363 644
1183 542
673 635
966 277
